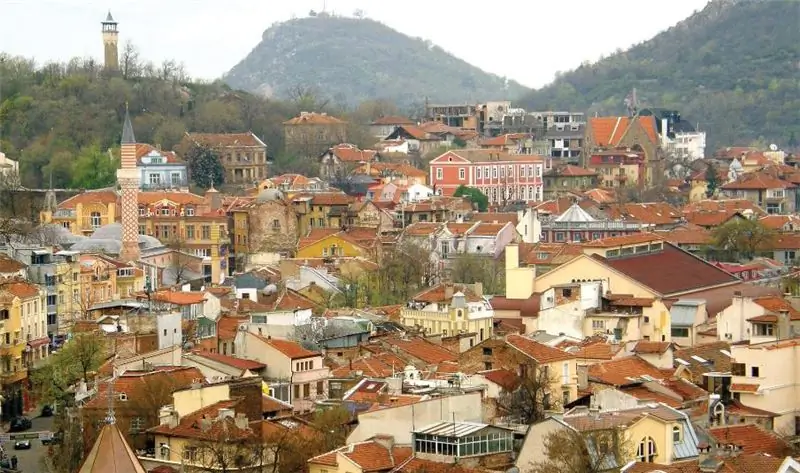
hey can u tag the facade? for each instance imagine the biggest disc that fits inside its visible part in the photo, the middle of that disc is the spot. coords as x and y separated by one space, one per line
321 210
84 213
338 161
618 168
775 195
384 126
451 309
577 225
310 134
502 177
566 178
639 133
564 132
243 155
265 226
160 170
128 180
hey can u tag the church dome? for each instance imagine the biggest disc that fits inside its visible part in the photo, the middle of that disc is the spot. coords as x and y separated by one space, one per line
109 239
268 195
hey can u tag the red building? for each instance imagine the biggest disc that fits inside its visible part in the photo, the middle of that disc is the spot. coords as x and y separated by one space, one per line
502 176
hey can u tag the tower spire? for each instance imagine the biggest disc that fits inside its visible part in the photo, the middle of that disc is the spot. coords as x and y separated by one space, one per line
127 129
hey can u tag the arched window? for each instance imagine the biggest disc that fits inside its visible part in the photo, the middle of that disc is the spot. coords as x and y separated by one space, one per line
676 433
646 451
96 219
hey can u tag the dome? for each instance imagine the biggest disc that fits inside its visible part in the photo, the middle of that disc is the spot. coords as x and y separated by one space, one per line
104 245
59 234
113 231
268 195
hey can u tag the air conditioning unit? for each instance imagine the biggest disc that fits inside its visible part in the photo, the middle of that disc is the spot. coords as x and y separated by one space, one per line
728 336
243 327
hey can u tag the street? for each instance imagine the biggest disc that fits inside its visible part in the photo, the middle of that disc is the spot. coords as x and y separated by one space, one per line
30 460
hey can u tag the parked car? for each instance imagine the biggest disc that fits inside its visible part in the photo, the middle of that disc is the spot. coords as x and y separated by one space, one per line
22 445
47 411
20 424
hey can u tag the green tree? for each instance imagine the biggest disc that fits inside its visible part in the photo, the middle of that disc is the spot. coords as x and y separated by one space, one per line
205 167
93 169
743 238
474 195
75 361
469 268
712 180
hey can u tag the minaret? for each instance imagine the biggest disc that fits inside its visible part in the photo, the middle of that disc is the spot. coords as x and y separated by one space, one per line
128 180
110 43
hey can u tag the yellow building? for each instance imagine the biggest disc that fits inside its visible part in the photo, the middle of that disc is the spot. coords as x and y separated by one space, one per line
451 309
334 244
98 284
699 184
321 210
23 326
84 213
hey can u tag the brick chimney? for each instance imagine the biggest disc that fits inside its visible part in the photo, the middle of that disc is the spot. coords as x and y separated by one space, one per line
241 421
448 291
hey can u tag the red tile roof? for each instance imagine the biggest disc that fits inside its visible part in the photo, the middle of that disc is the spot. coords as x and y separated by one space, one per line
289 348
352 154
238 363
651 213
21 289
776 305
526 307
723 205
368 366
95 196
225 139
608 131
752 438
648 347
757 181
418 465
189 425
393 120
687 235
176 297
424 350
370 456
623 371
676 271
569 170
506 379
744 388
538 352
143 149
134 383
314 118
9 264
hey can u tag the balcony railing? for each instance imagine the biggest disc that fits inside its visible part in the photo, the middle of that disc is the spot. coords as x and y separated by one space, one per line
175 184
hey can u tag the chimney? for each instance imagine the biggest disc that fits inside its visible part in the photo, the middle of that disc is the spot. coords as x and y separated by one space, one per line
205 424
448 291
594 412
784 324
477 288
225 412
241 421
512 256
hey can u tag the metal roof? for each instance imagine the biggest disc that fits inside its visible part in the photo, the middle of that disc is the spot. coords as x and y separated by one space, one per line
452 429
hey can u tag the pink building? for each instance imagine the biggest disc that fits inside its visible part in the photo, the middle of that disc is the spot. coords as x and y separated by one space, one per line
502 176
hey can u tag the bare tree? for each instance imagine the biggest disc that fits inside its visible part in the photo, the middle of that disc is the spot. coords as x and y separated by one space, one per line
533 397
568 450
182 264
226 446
470 268
130 62
307 98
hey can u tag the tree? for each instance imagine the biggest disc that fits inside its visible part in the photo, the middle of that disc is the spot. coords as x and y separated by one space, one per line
205 167
743 238
712 180
227 447
474 195
533 396
404 271
129 62
470 268
94 169
568 450
182 264
292 447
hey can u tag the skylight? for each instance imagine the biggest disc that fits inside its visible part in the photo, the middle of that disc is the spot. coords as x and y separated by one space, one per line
698 359
726 353
682 361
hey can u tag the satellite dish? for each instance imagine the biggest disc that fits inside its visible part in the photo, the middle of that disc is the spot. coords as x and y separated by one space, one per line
773 147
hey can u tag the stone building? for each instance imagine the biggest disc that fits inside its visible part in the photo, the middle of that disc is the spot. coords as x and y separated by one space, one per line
267 225
243 155
310 134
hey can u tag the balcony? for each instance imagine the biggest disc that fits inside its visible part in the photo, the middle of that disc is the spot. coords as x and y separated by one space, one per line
64 213
14 376
174 184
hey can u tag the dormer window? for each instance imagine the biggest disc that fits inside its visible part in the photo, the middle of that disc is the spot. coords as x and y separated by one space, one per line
676 434
142 211
190 211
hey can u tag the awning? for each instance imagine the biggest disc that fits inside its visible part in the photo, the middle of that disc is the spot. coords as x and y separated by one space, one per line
38 342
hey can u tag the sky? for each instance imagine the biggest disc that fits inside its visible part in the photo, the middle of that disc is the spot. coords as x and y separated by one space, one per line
525 40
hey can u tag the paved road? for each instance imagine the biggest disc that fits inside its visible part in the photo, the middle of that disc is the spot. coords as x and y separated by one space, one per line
30 460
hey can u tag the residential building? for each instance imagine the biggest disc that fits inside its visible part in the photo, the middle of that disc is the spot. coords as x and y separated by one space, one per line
758 319
23 340
767 376
160 169
655 433
84 213
416 140
618 167
376 455
624 265
295 375
577 225
775 195
639 133
404 174
321 210
338 161
566 178
396 192
243 155
679 138
502 177
451 309
437 209
384 126
310 134
564 132
333 243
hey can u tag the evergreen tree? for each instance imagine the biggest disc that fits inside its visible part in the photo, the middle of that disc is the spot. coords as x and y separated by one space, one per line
712 181
475 196
205 167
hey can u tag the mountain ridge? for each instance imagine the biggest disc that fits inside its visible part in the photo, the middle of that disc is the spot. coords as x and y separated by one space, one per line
357 59
730 66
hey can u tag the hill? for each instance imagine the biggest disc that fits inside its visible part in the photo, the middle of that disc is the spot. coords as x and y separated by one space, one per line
732 68
353 60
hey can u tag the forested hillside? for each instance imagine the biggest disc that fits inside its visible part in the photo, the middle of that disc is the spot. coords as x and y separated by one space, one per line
732 68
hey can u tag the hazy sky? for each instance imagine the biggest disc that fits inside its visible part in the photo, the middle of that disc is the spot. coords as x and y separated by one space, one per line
526 40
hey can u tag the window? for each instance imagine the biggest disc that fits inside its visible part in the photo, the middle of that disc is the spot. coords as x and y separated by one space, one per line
754 371
502 171
679 332
296 391
142 211
164 451
137 424
462 173
764 330
439 174
481 334
646 451
175 177
189 454
155 179
478 172
487 351
565 373
190 232
190 211
320 388
564 398
96 219
276 224
598 324
676 434
487 365
205 231
306 390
